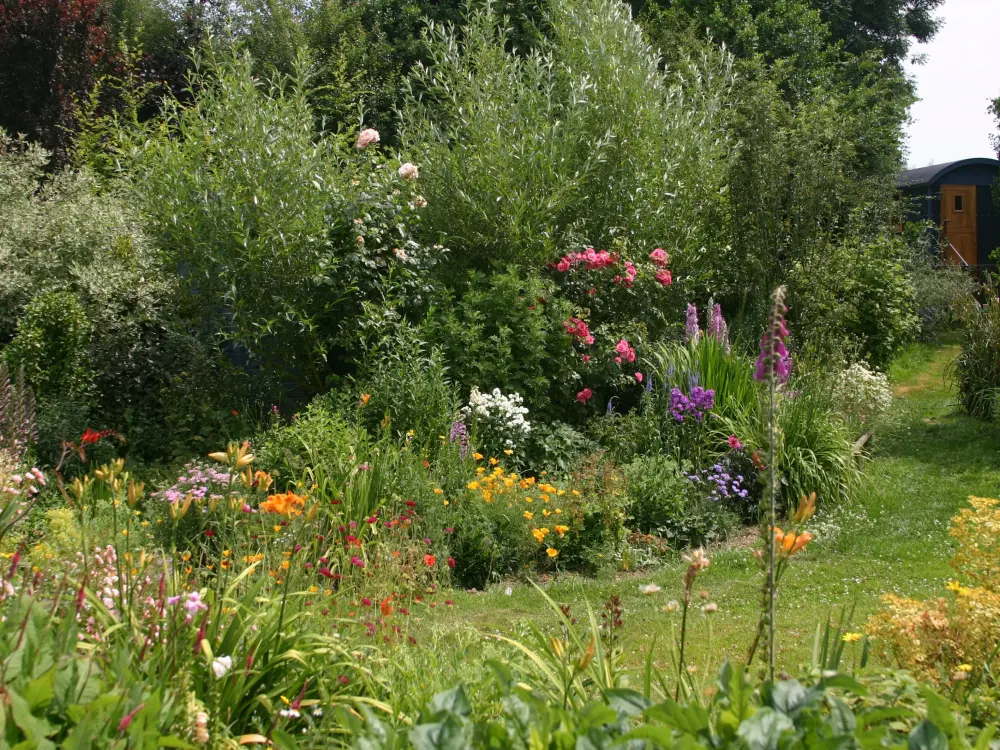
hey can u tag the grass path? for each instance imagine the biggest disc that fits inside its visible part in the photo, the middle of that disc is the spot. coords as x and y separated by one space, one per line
892 538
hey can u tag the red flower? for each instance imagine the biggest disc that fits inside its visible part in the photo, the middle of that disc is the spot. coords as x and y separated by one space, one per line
449 602
451 562
430 560
209 532
411 504
325 572
357 562
584 396
344 680
235 413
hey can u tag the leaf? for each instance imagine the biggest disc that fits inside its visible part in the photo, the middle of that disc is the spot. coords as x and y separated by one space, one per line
40 691
926 736
764 729
691 719
659 736
627 702
453 733
789 696
171 741
453 701
34 728
841 718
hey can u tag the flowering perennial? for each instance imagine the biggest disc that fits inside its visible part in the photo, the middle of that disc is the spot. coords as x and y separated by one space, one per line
699 402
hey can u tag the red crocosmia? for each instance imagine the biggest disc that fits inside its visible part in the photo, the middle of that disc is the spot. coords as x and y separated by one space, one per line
451 562
325 572
411 504
430 561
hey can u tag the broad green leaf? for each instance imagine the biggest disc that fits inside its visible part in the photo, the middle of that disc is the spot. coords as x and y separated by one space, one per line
627 702
453 701
926 736
764 729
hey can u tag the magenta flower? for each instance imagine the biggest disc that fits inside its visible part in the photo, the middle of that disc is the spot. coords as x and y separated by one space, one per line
664 277
357 562
584 396
773 360
735 444
659 257
638 377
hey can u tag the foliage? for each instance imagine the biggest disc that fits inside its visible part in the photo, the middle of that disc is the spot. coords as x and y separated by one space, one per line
862 396
976 370
288 285
951 641
574 143
505 331
945 293
51 54
17 414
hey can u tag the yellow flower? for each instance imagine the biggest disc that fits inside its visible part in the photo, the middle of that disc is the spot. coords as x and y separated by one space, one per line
953 585
144 524
528 500
851 637
528 514
444 503
124 532
539 534
576 492
493 462
551 552
313 589
508 452
560 530
473 485
438 491
546 512
478 456
277 527
558 511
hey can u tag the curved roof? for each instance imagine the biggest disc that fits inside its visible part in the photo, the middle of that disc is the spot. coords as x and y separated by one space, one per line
930 175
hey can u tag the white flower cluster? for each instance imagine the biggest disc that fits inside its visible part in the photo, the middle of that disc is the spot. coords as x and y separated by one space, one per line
863 395
499 420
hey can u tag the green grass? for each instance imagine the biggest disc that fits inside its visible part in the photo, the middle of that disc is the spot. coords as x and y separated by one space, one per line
893 537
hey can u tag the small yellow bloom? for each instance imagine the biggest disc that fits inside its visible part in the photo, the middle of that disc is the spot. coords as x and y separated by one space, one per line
528 514
851 637
528 500
365 398
560 530
576 492
546 512
124 532
277 527
438 491
551 552
508 452
144 524
493 462
473 485
539 534
313 589
558 511
964 667
478 456
285 564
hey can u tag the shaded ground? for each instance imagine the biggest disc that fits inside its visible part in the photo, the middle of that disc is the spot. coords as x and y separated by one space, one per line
892 538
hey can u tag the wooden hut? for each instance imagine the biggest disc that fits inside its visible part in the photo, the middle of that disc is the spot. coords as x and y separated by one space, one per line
960 197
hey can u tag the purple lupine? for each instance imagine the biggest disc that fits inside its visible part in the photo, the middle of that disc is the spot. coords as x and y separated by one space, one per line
460 434
717 327
700 401
773 360
691 330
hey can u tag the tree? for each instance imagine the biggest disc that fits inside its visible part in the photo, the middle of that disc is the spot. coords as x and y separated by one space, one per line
51 54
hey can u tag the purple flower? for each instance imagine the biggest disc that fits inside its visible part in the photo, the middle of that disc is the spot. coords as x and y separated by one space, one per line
460 434
717 327
691 330
773 360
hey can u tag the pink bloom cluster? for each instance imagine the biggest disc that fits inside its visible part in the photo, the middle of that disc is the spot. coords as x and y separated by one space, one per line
590 258
630 273
579 330
624 351
659 257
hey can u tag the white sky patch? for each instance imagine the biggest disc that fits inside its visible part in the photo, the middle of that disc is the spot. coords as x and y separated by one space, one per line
955 84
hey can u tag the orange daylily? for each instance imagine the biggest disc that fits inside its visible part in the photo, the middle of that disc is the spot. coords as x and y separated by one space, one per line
288 504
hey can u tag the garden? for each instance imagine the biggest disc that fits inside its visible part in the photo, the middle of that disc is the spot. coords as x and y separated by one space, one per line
453 375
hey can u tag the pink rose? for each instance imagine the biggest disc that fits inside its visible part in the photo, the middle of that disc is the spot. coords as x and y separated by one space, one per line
584 396
664 278
638 377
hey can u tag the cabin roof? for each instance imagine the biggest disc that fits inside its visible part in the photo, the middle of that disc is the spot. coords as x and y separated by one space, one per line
924 176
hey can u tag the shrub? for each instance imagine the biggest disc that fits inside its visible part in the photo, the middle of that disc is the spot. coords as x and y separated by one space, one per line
580 141
663 501
954 638
944 292
862 396
505 331
17 415
288 285
976 370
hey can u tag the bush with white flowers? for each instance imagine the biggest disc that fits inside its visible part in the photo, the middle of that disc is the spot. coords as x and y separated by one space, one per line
497 421
862 395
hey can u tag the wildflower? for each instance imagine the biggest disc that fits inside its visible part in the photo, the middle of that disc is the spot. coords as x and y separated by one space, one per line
478 456
508 591
357 562
528 514
551 552
691 330
671 606
429 560
851 637
560 530
438 491
965 668
648 589
773 360
710 609
584 396
367 137
409 171
365 398
126 721
735 444
539 534
287 504
221 666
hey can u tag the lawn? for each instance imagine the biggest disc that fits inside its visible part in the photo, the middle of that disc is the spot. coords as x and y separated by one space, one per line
892 538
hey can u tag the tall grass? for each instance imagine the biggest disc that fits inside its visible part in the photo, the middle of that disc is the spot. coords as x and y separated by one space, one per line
976 370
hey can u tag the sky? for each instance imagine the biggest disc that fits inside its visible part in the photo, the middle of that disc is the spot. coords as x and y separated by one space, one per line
959 77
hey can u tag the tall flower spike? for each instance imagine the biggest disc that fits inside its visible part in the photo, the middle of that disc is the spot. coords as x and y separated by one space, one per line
773 360
691 330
